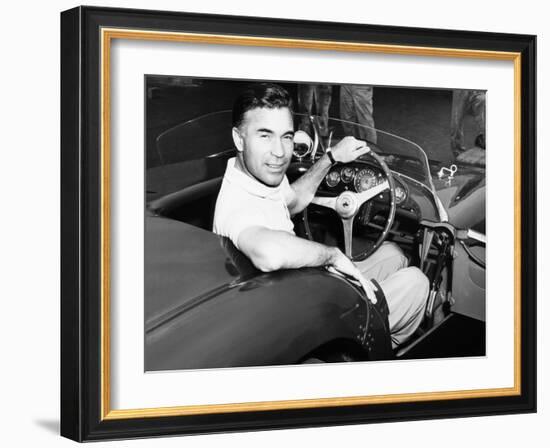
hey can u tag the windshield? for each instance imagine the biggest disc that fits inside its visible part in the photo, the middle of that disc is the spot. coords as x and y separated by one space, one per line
401 155
201 137
203 142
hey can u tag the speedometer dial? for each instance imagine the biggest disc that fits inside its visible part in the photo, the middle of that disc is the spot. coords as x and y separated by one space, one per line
365 179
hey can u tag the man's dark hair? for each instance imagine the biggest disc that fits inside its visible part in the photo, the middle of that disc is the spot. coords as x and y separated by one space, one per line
263 94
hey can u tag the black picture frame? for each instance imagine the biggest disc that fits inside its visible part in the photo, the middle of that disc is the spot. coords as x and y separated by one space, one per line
82 408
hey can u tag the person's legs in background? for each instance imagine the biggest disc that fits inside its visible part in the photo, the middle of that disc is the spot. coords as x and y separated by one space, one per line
478 111
305 104
364 110
356 106
347 109
458 112
323 98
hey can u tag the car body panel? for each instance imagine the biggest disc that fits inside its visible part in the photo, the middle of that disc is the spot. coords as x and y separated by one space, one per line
468 283
196 291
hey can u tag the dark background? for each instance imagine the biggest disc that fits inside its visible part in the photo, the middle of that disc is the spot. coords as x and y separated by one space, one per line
421 115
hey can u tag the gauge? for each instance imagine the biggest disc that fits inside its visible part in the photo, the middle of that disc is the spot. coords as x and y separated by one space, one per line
302 144
364 180
333 178
400 194
347 174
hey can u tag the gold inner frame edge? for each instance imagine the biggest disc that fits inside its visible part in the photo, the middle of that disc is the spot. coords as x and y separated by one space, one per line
107 34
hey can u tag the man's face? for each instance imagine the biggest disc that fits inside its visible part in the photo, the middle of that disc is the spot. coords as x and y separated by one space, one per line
265 141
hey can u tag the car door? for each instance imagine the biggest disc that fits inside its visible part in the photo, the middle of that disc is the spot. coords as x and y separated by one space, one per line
469 276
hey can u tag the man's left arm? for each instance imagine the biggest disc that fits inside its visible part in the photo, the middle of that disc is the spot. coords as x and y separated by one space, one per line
304 188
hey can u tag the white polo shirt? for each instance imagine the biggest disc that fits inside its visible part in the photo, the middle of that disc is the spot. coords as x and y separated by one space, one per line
244 202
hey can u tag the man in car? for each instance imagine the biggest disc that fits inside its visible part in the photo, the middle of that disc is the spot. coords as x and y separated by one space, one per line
256 201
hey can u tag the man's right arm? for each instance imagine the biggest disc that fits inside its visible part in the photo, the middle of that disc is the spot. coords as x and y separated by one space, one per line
271 250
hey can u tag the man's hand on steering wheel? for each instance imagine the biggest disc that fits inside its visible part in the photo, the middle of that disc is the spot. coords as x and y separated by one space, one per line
348 149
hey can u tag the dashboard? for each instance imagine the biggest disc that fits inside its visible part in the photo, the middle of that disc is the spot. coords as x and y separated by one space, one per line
413 200
358 178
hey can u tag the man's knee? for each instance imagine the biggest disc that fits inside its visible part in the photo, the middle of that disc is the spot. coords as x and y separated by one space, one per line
394 252
420 285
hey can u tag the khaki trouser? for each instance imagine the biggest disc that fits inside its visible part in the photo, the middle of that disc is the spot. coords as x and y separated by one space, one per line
406 289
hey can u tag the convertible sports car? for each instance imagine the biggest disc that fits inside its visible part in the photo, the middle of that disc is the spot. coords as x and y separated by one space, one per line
206 306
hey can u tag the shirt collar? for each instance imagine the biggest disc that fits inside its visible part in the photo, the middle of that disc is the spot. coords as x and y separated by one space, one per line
236 176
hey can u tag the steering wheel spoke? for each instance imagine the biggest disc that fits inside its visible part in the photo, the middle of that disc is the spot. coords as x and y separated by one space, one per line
325 201
347 224
367 195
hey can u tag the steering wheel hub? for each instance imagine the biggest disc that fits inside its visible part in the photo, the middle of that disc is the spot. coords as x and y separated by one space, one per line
347 204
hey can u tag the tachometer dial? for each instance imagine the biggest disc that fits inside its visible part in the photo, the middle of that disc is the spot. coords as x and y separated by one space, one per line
333 178
347 174
365 179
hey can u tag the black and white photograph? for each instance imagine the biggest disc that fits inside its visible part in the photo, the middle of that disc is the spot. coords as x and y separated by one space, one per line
299 223
282 224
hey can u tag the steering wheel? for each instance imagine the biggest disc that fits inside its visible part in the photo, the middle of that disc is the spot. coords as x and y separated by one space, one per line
348 204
